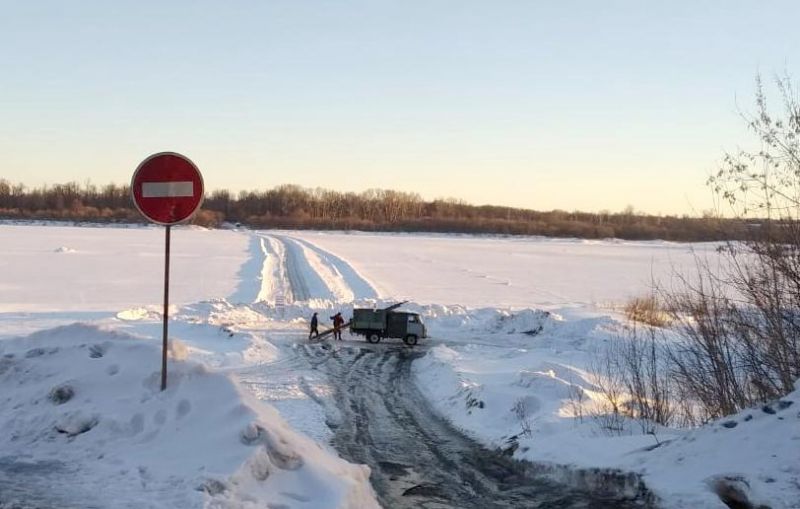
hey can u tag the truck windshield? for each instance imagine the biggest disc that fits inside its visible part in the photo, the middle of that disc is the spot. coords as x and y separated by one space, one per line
413 319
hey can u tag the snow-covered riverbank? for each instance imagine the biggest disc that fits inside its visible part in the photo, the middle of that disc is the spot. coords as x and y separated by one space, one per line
514 323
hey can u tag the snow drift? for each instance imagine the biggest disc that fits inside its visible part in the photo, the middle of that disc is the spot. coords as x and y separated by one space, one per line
86 425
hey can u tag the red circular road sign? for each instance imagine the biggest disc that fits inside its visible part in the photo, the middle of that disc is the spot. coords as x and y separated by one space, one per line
167 188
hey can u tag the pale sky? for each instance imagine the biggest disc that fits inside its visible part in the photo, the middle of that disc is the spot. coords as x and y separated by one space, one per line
584 105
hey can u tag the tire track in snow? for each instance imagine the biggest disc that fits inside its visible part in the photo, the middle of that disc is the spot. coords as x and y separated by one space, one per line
419 460
266 290
285 275
358 285
275 284
275 271
296 270
305 282
263 277
27 484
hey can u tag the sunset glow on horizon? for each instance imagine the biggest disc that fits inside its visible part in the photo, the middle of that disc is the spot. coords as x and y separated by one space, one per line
575 105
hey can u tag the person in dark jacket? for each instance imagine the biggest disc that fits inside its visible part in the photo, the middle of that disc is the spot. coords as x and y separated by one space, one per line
314 324
338 321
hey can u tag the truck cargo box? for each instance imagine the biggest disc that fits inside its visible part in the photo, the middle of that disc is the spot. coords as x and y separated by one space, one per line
368 319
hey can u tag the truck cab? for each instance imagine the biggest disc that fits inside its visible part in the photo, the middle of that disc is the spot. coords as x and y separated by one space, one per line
406 325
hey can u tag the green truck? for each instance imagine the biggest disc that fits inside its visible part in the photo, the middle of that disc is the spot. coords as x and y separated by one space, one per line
376 324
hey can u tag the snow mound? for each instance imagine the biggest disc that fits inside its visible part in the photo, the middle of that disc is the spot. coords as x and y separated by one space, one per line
531 322
84 419
64 249
445 320
749 459
140 313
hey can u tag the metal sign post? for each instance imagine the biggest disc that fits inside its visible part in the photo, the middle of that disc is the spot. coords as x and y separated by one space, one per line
164 345
167 188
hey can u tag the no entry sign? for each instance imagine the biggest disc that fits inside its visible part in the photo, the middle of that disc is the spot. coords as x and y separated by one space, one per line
167 188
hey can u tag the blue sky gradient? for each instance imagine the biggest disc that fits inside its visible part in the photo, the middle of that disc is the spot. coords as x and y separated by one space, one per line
571 105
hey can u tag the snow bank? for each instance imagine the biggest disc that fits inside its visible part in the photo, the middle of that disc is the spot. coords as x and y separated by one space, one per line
513 380
85 424
752 457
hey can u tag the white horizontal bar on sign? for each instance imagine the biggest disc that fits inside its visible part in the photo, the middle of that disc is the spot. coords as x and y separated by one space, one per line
167 189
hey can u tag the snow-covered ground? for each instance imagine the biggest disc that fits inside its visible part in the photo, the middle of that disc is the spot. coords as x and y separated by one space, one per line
517 272
84 421
68 269
514 378
513 322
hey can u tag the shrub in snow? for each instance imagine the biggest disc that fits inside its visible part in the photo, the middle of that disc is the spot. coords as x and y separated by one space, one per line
634 381
522 409
648 310
739 315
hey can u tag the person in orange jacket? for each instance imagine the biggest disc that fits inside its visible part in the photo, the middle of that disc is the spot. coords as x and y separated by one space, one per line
338 321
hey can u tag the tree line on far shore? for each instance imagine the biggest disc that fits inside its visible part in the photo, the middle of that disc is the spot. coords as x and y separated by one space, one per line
293 207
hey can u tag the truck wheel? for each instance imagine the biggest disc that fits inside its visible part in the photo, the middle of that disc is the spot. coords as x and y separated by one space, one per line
410 340
373 337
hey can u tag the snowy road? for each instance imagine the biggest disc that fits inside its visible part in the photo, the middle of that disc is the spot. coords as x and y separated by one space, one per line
27 485
417 458
378 416
296 270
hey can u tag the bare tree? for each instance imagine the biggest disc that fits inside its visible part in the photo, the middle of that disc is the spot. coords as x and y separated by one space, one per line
740 322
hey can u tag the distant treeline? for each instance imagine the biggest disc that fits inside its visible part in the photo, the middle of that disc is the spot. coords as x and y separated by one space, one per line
294 207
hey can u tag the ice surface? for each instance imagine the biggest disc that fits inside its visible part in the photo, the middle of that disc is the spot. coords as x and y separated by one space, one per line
520 272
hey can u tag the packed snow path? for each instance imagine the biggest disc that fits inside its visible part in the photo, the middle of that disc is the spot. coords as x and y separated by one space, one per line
295 270
417 459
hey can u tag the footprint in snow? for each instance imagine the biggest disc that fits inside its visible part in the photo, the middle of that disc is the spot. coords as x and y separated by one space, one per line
160 417
184 407
97 351
136 425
